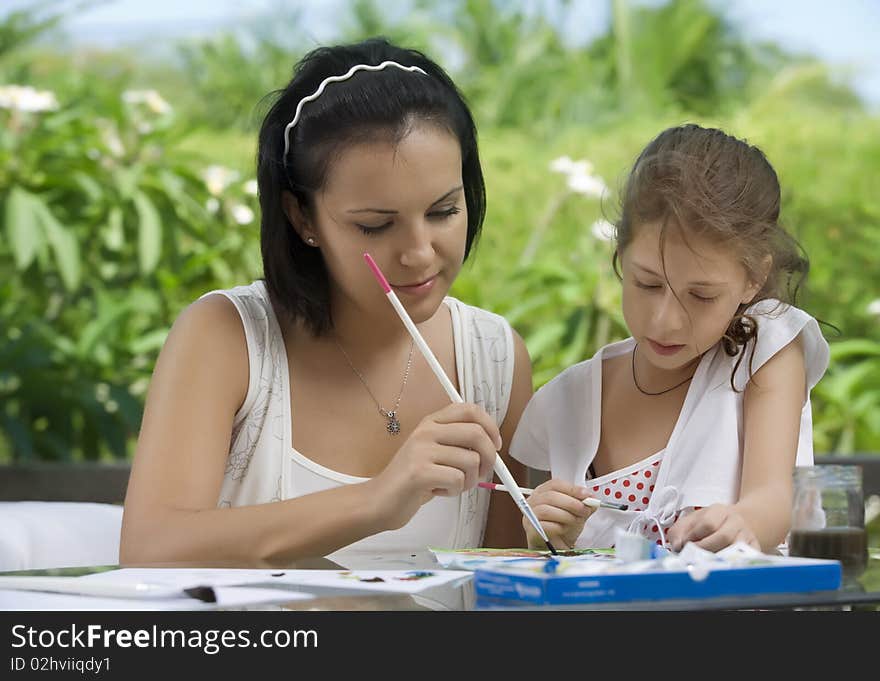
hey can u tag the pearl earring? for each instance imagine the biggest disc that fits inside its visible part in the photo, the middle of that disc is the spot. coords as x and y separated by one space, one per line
311 241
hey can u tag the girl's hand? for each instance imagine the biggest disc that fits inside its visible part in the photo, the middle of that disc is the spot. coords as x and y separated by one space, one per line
713 528
449 452
560 508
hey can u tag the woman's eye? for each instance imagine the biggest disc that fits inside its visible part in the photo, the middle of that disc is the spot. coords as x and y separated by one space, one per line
372 230
704 299
448 213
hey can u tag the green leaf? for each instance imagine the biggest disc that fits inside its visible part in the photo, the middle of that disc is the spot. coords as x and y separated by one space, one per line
91 188
64 245
148 342
544 338
22 227
19 435
149 234
101 327
857 347
114 234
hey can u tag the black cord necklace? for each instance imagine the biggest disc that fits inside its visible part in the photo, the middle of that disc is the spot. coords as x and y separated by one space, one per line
645 392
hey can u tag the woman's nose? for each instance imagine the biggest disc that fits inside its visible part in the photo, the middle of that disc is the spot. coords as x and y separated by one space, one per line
417 248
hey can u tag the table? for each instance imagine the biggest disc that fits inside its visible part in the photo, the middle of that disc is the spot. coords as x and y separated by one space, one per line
862 593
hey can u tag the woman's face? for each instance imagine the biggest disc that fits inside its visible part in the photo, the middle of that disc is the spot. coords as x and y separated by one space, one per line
679 315
403 204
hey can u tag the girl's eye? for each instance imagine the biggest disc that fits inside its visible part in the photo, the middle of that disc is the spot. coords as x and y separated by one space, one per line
705 299
646 286
372 230
443 214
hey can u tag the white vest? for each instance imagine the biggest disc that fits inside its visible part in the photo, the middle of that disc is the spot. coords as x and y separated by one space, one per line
263 466
702 463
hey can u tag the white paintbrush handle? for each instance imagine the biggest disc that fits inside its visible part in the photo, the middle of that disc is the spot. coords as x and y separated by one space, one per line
500 467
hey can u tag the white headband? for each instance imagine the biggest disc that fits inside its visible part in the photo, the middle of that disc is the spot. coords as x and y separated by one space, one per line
334 79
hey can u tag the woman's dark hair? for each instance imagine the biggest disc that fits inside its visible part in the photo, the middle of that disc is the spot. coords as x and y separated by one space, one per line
385 104
703 181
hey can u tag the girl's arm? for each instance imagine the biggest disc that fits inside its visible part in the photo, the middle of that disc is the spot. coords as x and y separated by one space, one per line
772 405
504 526
199 383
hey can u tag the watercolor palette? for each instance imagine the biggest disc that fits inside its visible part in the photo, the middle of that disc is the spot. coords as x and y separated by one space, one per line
570 581
476 558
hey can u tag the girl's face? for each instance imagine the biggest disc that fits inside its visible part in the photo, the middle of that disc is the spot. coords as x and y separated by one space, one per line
677 317
403 204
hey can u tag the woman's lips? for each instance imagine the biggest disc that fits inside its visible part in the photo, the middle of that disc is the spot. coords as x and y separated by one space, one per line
661 349
419 289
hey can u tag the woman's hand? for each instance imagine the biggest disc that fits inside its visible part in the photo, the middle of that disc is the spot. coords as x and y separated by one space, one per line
713 528
560 508
449 452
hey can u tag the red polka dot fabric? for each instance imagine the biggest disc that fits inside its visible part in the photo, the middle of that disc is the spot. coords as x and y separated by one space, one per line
633 485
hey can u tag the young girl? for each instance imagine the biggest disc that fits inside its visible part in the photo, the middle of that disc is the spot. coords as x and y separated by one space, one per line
697 420
292 417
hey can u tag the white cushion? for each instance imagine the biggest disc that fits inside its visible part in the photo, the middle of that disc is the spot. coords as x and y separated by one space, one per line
50 534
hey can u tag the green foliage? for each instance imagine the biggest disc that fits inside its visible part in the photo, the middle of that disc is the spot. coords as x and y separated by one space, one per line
107 233
22 26
111 221
226 79
847 399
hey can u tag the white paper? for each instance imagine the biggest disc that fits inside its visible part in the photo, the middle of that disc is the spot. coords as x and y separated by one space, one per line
227 597
392 581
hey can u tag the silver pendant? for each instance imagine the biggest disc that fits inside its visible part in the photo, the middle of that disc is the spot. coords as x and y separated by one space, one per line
393 425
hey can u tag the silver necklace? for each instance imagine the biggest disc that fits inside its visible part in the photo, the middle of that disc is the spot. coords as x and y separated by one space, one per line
393 425
645 392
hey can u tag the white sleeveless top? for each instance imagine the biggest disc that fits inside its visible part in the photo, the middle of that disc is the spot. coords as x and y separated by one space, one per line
263 466
702 461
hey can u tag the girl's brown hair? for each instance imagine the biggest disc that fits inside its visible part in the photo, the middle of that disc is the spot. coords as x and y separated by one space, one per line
704 181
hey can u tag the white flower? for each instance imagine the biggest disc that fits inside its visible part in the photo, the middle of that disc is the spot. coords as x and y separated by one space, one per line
110 137
603 230
579 176
151 98
26 98
580 168
562 164
588 185
872 508
242 214
139 387
250 187
217 178
212 205
874 307
566 166
102 392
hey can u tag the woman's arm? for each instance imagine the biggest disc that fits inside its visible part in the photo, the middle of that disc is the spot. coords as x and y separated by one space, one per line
171 513
504 525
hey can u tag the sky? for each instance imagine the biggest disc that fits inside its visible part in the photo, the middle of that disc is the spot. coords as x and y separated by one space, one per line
843 33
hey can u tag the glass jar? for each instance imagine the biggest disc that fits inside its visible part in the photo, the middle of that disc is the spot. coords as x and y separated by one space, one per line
828 516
